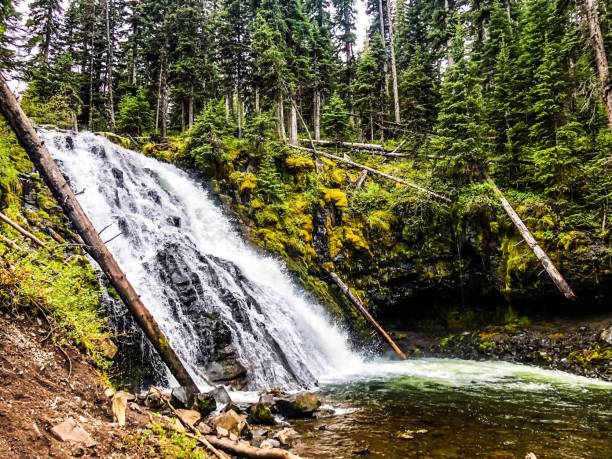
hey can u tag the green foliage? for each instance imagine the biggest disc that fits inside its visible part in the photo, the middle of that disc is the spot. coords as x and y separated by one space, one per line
335 119
135 115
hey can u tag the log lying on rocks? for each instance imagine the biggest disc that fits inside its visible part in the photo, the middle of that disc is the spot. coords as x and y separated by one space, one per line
38 153
548 265
367 316
248 451
375 171
19 229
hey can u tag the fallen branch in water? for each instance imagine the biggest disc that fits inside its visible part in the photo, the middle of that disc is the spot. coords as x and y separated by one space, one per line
364 312
18 228
374 171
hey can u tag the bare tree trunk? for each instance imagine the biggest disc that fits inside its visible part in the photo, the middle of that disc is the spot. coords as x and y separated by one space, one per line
38 153
91 70
191 106
396 103
449 54
316 115
109 68
601 59
228 107
548 265
381 13
21 230
239 113
257 103
293 129
281 118
159 93
367 316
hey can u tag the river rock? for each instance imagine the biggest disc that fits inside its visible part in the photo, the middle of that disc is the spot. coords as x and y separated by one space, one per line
269 443
204 403
179 397
286 436
191 417
71 431
260 413
302 405
220 395
606 335
230 421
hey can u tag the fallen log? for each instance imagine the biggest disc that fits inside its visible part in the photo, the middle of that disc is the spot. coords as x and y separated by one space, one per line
361 179
548 265
38 153
21 230
367 316
353 145
375 171
248 451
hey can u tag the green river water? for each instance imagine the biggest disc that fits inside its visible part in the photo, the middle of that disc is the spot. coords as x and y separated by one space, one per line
441 408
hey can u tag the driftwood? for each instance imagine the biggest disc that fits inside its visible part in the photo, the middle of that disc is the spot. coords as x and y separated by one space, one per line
364 312
361 179
38 153
376 172
548 265
18 228
248 451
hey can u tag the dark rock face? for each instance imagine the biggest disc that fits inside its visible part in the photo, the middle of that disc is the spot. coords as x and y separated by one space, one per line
216 353
302 405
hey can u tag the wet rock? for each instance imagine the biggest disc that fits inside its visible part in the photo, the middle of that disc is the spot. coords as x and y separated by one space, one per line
191 417
179 398
230 421
300 405
119 180
606 335
232 406
220 395
204 404
154 400
286 436
71 431
270 443
260 413
204 428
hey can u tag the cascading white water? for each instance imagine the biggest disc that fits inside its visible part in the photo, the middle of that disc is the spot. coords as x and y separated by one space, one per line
195 273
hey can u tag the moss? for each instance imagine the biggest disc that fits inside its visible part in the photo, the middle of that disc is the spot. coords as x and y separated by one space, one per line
336 197
590 356
267 217
299 163
486 345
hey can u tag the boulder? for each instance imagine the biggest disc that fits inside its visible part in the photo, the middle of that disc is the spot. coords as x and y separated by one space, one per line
286 436
191 417
204 403
231 422
269 443
220 395
260 413
302 405
179 398
606 335
232 406
71 431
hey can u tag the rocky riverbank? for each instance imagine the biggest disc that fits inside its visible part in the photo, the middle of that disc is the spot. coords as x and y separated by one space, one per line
581 346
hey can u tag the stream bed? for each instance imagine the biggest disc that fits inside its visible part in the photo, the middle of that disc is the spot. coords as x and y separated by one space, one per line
444 408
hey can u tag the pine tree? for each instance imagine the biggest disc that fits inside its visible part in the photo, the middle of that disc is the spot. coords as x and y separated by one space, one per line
135 116
336 120
461 131
43 24
8 23
368 89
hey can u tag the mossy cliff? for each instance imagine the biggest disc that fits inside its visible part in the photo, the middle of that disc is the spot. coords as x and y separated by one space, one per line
405 252
57 281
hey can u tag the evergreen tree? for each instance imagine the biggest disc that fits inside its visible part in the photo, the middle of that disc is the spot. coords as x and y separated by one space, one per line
335 117
135 116
43 25
8 18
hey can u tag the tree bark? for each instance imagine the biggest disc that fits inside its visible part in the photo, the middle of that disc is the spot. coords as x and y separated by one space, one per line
601 58
293 129
367 316
159 93
381 14
191 107
38 153
109 68
316 104
281 118
396 103
257 105
248 451
548 265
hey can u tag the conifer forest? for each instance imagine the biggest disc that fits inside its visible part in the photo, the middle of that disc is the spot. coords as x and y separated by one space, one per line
306 229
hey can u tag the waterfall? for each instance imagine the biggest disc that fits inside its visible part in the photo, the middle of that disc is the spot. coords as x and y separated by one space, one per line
232 314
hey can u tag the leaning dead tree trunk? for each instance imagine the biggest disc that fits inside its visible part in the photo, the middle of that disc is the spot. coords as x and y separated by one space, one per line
601 59
38 153
376 172
366 315
548 265
396 103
